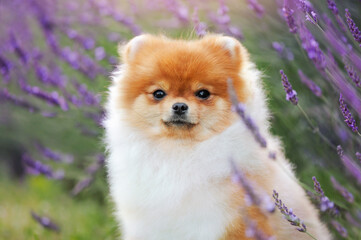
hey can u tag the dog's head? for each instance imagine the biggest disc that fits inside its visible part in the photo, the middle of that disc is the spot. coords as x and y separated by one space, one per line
178 88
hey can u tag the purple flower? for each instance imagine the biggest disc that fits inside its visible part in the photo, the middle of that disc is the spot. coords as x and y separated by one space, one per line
35 168
352 220
256 7
291 95
253 232
52 98
81 185
97 117
346 194
45 222
353 75
199 26
70 57
5 67
252 196
240 110
332 6
87 97
99 53
311 46
347 115
105 10
325 203
94 167
340 229
288 214
282 51
87 42
288 15
353 28
113 60
222 19
310 84
6 96
350 165
358 156
17 49
58 157
307 8
114 37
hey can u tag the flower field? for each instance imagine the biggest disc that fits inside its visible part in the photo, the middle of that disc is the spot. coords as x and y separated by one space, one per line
55 62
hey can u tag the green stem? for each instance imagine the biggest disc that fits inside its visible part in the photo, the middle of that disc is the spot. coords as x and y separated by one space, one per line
310 235
314 128
314 22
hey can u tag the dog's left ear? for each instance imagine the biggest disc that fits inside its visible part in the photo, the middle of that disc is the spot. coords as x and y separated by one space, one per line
129 50
229 46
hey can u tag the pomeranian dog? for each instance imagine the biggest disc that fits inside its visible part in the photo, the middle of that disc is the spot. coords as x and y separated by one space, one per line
170 134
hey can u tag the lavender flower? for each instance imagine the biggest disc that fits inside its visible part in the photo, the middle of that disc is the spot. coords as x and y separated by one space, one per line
114 37
291 95
36 168
52 98
223 19
93 168
358 156
325 203
340 229
352 220
103 9
240 110
350 165
200 27
99 53
346 194
288 15
288 214
310 84
307 8
87 42
5 67
256 7
81 185
353 28
347 115
282 51
45 222
58 157
6 96
252 231
180 11
353 75
332 6
252 197
311 46
18 50
87 97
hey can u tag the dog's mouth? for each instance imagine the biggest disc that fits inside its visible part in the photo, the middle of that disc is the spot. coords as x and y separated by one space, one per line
179 122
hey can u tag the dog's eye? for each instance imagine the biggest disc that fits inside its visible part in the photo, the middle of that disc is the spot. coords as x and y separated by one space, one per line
203 94
159 94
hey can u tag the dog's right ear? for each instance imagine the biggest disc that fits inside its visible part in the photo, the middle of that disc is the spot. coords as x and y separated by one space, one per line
129 50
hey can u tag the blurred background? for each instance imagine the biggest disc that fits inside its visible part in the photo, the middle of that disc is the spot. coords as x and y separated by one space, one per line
55 61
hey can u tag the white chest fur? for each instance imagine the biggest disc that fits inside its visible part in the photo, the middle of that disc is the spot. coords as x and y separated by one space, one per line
170 191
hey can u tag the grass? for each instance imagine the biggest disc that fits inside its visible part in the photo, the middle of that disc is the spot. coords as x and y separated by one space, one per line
78 218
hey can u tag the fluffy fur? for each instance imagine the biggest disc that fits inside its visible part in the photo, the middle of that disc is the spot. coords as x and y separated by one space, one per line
173 181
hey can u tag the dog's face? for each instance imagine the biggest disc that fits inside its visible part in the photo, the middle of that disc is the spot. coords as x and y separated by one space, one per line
178 89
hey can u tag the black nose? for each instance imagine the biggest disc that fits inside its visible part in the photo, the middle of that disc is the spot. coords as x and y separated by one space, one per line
180 108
